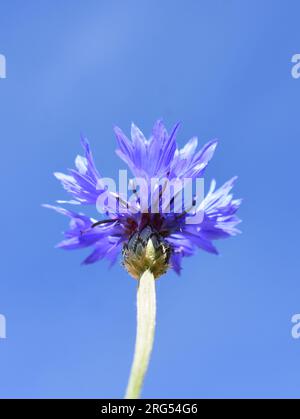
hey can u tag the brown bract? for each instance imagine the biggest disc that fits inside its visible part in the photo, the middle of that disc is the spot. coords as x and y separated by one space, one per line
146 250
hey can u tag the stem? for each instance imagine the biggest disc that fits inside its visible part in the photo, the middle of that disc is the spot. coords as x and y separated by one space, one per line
146 314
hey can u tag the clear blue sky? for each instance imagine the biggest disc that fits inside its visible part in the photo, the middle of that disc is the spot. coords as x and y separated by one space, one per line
223 68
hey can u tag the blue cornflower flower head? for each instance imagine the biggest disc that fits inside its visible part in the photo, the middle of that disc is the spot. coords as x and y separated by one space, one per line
149 229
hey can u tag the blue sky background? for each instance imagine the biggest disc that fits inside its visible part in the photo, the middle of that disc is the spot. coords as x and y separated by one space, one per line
223 68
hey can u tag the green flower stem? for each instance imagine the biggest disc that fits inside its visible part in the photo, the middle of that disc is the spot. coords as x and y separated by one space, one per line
146 315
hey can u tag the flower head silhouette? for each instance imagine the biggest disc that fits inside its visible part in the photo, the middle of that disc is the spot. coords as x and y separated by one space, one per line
126 227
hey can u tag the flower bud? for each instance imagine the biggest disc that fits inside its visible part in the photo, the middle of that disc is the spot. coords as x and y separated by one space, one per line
146 250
